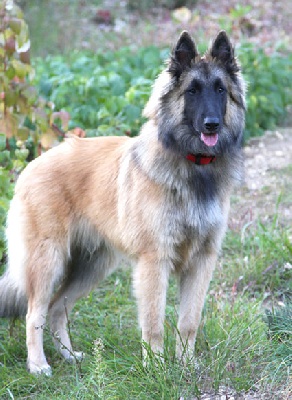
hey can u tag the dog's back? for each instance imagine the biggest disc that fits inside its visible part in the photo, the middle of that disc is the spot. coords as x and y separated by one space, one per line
51 194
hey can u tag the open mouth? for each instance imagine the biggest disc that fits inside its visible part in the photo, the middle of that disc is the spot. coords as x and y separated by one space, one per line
210 139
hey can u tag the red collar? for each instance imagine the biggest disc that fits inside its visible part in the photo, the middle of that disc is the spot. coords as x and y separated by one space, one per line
200 159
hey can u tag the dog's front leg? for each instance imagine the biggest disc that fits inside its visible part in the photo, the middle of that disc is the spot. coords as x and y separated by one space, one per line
194 283
150 285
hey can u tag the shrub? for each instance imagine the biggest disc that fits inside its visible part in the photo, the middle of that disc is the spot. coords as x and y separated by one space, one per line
11 163
269 88
106 92
23 114
25 118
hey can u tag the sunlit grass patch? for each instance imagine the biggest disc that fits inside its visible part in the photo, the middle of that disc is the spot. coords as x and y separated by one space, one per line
240 347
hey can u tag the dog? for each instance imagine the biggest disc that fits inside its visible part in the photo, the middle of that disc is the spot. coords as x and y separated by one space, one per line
161 198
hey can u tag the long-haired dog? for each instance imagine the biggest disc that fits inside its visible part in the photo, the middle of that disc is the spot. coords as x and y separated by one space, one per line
161 198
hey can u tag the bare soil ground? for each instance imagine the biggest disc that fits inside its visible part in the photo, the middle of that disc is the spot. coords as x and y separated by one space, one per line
268 181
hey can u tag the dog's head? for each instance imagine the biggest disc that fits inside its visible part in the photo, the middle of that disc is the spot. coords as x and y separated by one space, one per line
198 102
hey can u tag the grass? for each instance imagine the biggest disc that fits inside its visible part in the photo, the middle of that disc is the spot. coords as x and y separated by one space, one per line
258 256
240 347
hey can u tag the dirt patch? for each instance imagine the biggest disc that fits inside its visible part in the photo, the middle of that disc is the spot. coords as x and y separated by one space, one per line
268 181
225 393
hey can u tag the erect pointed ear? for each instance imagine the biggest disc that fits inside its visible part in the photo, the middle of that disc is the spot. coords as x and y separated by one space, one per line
222 49
183 54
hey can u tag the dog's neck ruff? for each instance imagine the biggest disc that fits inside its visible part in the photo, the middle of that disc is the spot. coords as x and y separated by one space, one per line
200 159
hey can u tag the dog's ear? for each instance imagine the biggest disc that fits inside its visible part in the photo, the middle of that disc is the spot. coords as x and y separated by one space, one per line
223 51
183 54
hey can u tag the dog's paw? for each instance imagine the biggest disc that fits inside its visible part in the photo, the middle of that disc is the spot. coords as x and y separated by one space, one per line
75 356
151 358
187 359
39 369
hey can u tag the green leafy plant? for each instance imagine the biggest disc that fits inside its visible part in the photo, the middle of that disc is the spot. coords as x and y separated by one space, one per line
5 188
10 166
26 120
106 92
269 88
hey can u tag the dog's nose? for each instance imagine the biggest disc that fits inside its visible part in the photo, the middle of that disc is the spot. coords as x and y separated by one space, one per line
211 124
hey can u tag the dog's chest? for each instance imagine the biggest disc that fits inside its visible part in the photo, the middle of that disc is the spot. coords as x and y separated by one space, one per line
187 219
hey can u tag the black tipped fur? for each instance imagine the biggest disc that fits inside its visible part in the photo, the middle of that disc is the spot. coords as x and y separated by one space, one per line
183 54
222 50
210 87
13 302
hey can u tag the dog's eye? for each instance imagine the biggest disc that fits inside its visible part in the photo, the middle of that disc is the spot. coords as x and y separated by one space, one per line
192 91
221 89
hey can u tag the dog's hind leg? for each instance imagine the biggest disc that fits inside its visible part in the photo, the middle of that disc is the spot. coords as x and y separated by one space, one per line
86 270
40 286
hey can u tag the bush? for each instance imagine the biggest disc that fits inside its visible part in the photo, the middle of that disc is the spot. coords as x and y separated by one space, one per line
11 163
23 114
25 119
104 93
269 88
107 92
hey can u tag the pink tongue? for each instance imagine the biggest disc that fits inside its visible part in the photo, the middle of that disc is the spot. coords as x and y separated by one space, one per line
209 140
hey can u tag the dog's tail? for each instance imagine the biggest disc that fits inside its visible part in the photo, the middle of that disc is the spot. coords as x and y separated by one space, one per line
13 298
